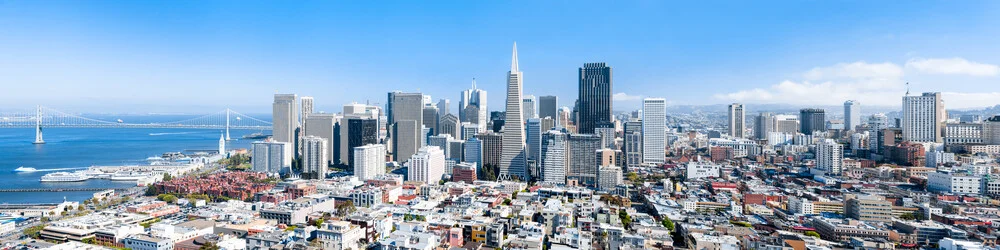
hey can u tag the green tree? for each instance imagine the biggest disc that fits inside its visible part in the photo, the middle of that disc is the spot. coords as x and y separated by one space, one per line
626 219
811 234
318 222
169 198
506 202
908 216
167 177
209 246
345 208
667 223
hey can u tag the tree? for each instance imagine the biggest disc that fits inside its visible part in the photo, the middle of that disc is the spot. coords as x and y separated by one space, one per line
209 246
626 219
318 222
908 216
169 198
633 177
920 216
667 223
812 234
506 202
345 208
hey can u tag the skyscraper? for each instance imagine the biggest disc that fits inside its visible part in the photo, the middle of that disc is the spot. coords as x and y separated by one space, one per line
407 137
654 129
633 143
430 114
923 118
533 142
553 159
830 157
284 117
427 165
322 126
307 107
528 103
595 105
876 126
492 148
812 120
763 124
271 157
443 107
512 163
473 152
737 120
548 106
314 161
369 161
852 114
449 124
472 107
582 161
361 132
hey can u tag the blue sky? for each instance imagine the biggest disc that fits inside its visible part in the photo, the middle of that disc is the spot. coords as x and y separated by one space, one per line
190 56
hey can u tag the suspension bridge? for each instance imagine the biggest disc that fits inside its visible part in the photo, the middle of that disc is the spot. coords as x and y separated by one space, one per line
44 117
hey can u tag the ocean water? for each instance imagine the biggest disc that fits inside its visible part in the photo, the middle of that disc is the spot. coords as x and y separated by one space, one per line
74 148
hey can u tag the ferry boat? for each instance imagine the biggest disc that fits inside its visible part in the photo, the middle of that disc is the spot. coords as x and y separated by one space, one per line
24 169
256 136
64 177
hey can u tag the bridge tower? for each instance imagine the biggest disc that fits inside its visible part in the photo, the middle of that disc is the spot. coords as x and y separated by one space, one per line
227 124
38 126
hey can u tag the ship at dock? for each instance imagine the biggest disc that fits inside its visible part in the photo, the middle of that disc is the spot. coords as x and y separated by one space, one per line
65 177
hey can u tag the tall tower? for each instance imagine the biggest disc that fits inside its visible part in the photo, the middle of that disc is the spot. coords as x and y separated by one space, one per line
594 99
654 129
923 118
222 146
852 114
512 160
737 120
285 117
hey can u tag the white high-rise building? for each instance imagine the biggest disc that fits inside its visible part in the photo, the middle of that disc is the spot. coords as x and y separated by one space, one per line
513 162
529 107
609 177
852 114
284 117
271 157
800 205
876 123
307 107
737 120
472 107
830 157
923 118
654 129
427 165
369 161
314 161
553 159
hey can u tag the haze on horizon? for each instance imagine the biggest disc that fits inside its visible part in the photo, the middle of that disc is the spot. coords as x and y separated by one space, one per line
191 56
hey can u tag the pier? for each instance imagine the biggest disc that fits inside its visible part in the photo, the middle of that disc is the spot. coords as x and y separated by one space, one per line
16 190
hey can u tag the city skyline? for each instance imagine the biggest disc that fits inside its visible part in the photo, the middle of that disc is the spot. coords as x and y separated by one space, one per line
125 66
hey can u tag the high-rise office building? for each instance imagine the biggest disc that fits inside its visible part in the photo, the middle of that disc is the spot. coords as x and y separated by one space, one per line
547 123
876 126
307 107
472 107
468 130
492 148
582 161
369 161
406 137
852 114
923 118
654 129
271 157
427 165
632 143
737 120
449 124
322 125
595 101
533 139
764 123
343 147
314 161
563 120
607 137
528 103
812 120
361 132
431 119
443 107
497 119
284 117
553 159
830 157
548 106
513 162
473 152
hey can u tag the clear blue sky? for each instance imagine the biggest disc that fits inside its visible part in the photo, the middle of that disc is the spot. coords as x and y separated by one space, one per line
188 56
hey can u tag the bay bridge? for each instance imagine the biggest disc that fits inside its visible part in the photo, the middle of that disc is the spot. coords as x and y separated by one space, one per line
44 117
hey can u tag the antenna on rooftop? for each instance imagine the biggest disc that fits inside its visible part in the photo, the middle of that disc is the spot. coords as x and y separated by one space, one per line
907 88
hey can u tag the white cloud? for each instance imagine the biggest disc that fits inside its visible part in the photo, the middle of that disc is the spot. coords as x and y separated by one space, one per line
952 66
621 97
880 84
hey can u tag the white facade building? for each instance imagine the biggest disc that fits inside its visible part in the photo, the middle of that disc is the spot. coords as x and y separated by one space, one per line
609 177
554 151
923 118
271 157
955 183
654 129
314 161
427 165
698 170
830 157
852 114
369 161
737 120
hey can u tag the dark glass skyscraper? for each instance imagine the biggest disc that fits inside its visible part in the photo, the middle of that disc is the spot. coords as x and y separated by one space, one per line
548 106
361 132
812 120
594 98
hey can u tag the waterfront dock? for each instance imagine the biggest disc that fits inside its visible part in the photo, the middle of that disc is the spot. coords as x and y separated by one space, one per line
16 190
